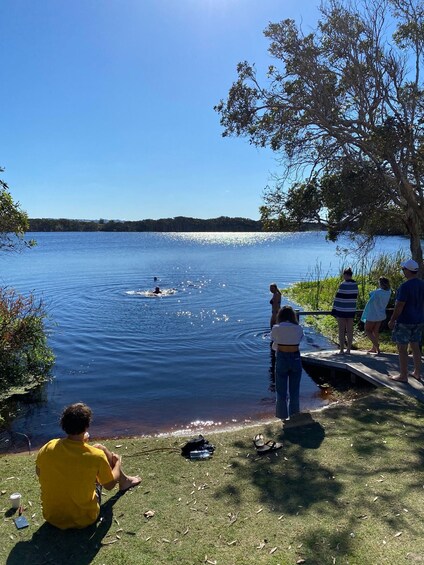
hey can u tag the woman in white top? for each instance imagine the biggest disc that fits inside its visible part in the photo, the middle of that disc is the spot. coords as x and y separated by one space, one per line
375 312
286 336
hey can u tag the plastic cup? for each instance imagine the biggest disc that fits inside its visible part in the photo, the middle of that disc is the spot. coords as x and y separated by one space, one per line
15 499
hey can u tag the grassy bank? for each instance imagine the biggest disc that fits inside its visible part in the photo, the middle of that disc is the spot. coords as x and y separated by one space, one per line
347 488
319 295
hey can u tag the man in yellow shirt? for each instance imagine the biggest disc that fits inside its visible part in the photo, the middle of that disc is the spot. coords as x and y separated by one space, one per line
72 472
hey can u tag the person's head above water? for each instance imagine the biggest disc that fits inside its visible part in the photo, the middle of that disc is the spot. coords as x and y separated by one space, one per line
157 290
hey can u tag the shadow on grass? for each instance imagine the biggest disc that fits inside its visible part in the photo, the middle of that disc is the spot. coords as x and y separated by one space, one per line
361 461
49 545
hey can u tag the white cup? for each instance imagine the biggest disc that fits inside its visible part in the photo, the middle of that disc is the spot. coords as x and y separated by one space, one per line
15 499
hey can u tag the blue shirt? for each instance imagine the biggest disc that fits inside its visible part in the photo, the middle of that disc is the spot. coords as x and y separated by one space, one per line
412 293
375 309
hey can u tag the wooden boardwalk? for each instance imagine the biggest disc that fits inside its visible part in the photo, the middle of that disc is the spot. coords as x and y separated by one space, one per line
376 369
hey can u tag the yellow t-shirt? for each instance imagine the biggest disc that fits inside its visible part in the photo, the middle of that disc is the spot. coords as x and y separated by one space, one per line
68 473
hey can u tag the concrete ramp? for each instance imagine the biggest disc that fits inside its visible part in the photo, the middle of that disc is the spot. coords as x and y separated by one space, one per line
377 369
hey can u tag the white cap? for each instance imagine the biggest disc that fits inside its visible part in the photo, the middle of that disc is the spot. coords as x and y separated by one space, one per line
411 265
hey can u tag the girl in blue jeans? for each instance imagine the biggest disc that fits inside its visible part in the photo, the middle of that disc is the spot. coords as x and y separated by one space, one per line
286 336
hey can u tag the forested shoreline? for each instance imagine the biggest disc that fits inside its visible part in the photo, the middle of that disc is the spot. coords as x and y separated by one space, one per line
177 224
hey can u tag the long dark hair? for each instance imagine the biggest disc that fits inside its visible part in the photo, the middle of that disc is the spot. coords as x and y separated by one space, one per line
287 314
384 283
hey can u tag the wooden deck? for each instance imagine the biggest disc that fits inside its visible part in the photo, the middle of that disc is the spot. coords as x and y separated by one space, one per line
376 369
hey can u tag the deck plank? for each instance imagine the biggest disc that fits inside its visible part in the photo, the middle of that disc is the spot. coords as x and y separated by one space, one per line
376 369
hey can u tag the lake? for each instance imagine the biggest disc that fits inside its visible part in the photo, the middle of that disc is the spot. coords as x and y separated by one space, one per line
198 355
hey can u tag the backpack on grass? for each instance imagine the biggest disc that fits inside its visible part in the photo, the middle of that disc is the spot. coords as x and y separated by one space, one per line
198 443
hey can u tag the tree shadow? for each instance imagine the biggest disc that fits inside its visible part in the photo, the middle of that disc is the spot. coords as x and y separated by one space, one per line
50 545
354 477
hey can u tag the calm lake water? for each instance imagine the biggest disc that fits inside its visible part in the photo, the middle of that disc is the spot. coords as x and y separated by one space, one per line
146 364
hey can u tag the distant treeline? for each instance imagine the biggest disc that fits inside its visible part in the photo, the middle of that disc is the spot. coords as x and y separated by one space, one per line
178 224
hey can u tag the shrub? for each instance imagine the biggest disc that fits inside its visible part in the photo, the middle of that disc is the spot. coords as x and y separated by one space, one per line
25 358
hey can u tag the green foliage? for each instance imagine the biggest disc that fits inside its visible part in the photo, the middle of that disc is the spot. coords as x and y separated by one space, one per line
343 104
25 358
317 293
177 224
13 222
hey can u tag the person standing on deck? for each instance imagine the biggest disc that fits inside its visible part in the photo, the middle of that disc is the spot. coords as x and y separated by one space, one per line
407 321
375 312
344 308
275 303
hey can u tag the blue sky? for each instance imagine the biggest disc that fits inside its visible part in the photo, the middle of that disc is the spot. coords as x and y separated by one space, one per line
106 106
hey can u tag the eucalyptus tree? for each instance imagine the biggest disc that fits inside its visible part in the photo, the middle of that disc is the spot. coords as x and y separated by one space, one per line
346 98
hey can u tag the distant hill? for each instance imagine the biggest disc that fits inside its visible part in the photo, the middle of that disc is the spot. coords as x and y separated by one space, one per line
178 224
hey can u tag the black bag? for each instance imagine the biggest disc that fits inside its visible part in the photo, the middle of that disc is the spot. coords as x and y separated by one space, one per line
196 444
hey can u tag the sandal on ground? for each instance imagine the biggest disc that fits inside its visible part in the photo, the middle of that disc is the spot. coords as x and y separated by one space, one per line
258 441
268 447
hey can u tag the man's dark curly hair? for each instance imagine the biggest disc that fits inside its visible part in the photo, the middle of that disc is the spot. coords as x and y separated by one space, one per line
76 418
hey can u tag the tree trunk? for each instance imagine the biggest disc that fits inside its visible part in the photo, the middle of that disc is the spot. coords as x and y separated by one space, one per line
413 225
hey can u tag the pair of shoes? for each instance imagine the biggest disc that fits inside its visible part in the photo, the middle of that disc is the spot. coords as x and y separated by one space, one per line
265 446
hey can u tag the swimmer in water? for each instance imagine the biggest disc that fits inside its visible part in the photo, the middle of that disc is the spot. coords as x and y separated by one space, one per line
157 290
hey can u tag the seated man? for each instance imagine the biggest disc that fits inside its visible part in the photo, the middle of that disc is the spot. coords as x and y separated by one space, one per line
72 472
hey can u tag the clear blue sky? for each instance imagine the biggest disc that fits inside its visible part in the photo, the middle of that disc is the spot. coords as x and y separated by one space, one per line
106 106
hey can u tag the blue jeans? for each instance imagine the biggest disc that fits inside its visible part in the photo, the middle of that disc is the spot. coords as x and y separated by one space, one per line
288 372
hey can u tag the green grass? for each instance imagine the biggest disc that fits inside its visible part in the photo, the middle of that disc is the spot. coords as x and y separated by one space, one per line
319 295
347 488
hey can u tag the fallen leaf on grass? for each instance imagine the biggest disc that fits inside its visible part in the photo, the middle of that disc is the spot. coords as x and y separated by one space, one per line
273 550
118 446
375 498
259 511
398 534
109 542
149 514
232 542
299 561
261 545
3 492
165 540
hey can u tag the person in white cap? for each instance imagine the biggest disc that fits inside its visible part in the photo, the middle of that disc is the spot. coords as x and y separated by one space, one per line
407 320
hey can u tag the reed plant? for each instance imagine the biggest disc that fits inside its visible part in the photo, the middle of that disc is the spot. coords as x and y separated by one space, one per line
318 290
